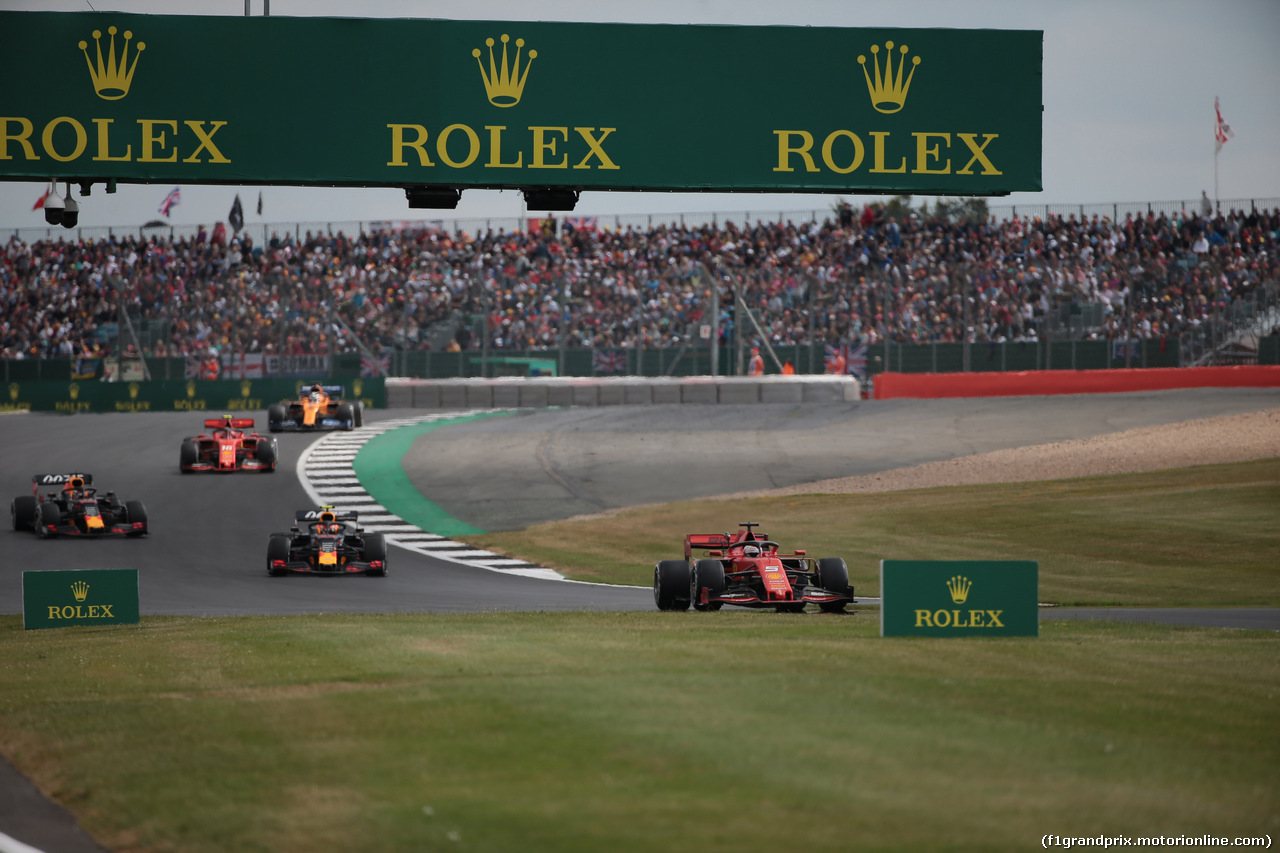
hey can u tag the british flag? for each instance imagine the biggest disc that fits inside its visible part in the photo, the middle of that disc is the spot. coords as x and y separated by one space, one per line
609 361
856 362
582 223
854 357
375 365
172 200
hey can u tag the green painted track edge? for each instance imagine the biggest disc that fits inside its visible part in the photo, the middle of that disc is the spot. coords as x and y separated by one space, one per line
379 468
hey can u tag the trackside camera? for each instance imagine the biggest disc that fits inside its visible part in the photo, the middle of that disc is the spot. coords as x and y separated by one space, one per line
53 208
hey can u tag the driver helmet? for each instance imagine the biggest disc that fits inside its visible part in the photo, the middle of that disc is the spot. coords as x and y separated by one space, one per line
751 551
315 393
75 486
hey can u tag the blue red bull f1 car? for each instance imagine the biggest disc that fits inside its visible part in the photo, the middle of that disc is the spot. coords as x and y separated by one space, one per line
74 508
326 542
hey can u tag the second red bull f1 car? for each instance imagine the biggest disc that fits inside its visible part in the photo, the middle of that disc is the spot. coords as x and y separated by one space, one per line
748 569
326 542
74 508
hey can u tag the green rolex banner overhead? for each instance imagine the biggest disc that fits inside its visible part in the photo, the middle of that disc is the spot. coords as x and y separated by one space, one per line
409 102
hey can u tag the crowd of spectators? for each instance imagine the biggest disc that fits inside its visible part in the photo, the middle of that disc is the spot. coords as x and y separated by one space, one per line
910 277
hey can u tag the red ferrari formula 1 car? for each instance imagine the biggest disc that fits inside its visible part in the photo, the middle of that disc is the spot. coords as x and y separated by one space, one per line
227 447
317 407
325 542
746 568
76 509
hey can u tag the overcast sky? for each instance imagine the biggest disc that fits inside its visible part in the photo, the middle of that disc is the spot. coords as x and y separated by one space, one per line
1128 94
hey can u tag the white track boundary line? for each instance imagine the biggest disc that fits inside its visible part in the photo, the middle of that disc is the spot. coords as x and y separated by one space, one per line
336 452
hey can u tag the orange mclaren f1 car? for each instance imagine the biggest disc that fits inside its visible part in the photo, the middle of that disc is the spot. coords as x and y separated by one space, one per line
317 407
748 569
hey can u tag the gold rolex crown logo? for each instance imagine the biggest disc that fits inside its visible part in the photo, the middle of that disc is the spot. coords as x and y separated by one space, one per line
111 80
14 388
134 387
888 93
191 388
959 587
73 390
80 590
504 85
245 388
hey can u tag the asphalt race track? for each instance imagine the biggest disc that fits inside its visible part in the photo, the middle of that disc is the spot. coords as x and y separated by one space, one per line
206 554
506 473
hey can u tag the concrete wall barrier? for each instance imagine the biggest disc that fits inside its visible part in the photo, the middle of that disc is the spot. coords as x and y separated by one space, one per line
538 392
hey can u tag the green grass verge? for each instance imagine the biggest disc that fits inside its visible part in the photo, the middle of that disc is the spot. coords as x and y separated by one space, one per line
1200 536
638 732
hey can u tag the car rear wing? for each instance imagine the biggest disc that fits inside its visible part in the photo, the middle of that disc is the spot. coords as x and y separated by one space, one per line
314 515
335 391
705 541
59 480
229 422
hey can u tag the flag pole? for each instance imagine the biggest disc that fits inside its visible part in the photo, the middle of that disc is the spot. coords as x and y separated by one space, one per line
1217 206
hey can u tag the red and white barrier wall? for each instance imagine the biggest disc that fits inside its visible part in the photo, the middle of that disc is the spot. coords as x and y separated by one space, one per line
1045 382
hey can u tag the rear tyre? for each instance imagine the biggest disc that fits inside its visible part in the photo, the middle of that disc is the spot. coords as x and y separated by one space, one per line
134 511
23 510
833 576
375 548
671 583
359 407
47 515
708 575
277 549
275 417
347 414
189 455
268 451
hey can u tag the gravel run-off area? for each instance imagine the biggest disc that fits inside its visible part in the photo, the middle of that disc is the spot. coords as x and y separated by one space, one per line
1207 441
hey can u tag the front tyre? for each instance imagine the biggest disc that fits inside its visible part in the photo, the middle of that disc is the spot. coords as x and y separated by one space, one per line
347 414
707 575
833 576
277 551
671 580
267 453
375 549
48 516
188 456
23 509
135 512
275 417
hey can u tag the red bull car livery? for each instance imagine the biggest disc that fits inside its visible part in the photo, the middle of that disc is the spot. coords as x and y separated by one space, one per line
72 507
227 447
317 407
326 542
748 569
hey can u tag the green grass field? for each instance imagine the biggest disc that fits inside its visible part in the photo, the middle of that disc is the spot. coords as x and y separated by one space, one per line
1205 536
737 730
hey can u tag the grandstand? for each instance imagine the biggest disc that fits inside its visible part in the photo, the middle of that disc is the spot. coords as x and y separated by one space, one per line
963 286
